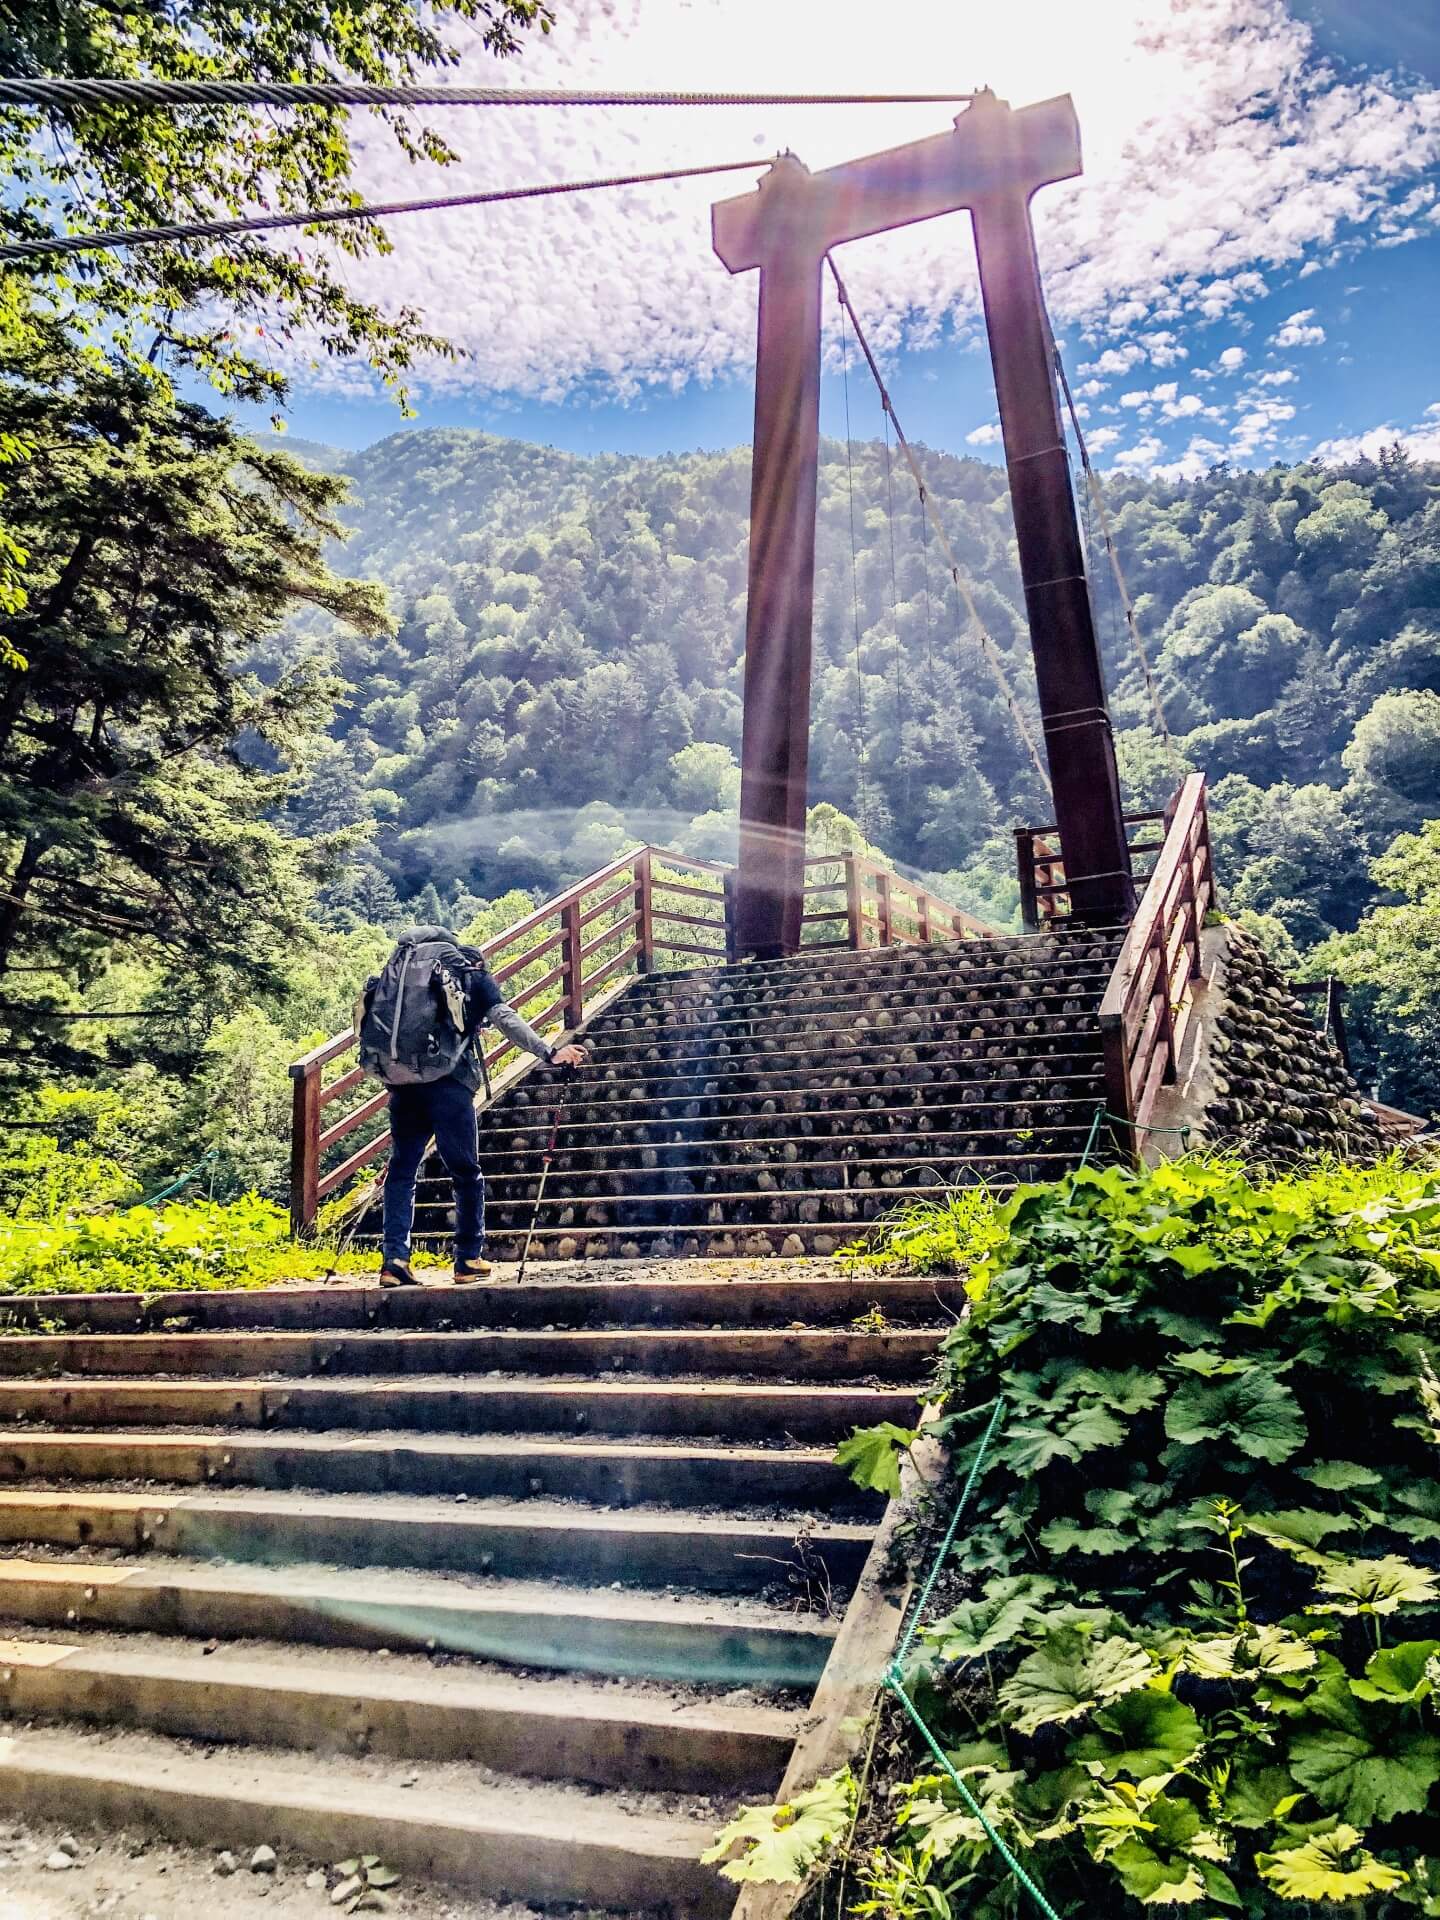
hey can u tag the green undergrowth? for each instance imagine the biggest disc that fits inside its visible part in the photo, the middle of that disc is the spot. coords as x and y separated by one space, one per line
73 1222
1186 1651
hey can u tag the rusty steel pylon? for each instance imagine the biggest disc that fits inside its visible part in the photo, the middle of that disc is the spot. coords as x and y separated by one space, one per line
990 164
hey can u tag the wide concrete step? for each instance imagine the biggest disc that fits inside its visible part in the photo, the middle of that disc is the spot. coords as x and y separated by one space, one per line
816 1293
745 1353
534 1538
715 1640
540 1842
325 1702
721 1409
503 1466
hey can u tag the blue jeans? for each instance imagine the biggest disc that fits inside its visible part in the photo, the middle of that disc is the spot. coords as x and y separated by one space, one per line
445 1108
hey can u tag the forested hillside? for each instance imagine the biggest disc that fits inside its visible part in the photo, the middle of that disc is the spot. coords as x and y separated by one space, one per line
203 864
567 672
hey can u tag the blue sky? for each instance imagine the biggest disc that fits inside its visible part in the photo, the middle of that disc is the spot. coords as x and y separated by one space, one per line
1270 295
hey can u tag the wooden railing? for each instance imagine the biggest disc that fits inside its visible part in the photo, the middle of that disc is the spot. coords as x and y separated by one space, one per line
647 911
876 908
1040 866
1148 1001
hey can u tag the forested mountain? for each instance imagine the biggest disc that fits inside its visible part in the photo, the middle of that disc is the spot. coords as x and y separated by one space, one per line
569 627
561 675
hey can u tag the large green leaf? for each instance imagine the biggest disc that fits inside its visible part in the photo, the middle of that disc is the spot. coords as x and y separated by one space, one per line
783 1842
980 1626
1305 1526
1253 1413
1069 1676
1255 1794
1365 1762
1332 1866
1376 1586
1404 1673
1142 1734
1340 1476
1258 1651
871 1455
1031 1446
1065 1536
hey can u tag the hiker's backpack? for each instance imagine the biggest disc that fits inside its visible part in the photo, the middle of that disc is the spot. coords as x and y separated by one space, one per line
412 1015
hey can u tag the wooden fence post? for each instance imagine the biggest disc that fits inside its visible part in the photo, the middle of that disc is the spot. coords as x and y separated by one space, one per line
1025 874
854 906
922 915
882 906
645 907
304 1147
574 987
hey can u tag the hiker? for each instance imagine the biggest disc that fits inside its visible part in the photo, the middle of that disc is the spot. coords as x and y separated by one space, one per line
419 1023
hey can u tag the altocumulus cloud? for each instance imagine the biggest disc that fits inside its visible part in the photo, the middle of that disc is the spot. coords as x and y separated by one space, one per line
1219 147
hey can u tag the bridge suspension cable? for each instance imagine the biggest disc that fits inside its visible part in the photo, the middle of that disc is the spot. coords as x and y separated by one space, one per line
1092 482
331 216
962 586
146 91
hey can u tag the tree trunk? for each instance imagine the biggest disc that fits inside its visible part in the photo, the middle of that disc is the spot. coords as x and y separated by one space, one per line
12 901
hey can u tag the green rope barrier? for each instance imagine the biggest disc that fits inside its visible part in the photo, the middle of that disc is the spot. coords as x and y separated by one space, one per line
896 1687
945 1545
895 1679
184 1180
894 1676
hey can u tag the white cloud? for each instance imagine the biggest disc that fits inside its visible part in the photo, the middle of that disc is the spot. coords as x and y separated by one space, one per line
1277 377
1183 408
1232 358
1198 458
1298 331
987 436
1421 441
1103 437
1164 349
1219 147
1116 360
1138 398
1142 456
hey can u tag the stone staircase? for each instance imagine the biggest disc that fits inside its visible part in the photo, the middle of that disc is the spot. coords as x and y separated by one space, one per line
522 1588
777 1108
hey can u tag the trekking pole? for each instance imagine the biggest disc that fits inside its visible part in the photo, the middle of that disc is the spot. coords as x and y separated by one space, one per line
557 1120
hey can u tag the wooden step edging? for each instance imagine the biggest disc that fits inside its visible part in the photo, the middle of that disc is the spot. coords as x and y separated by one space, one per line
837 1723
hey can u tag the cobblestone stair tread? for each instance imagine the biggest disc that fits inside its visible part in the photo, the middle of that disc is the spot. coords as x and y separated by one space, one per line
725 1110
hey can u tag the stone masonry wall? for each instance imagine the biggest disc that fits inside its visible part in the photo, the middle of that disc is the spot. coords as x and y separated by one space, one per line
1278 1084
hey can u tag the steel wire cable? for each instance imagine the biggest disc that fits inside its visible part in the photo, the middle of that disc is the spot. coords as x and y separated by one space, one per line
962 586
330 216
1092 482
44 90
862 756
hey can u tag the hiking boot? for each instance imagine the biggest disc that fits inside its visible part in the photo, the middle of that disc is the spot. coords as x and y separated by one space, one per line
468 1270
397 1273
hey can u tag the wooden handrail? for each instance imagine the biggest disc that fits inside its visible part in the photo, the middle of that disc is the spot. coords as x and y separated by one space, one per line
623 901
1150 993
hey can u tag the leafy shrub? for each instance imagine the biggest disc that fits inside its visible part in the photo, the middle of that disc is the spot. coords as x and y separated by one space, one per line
1194 1655
185 1245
